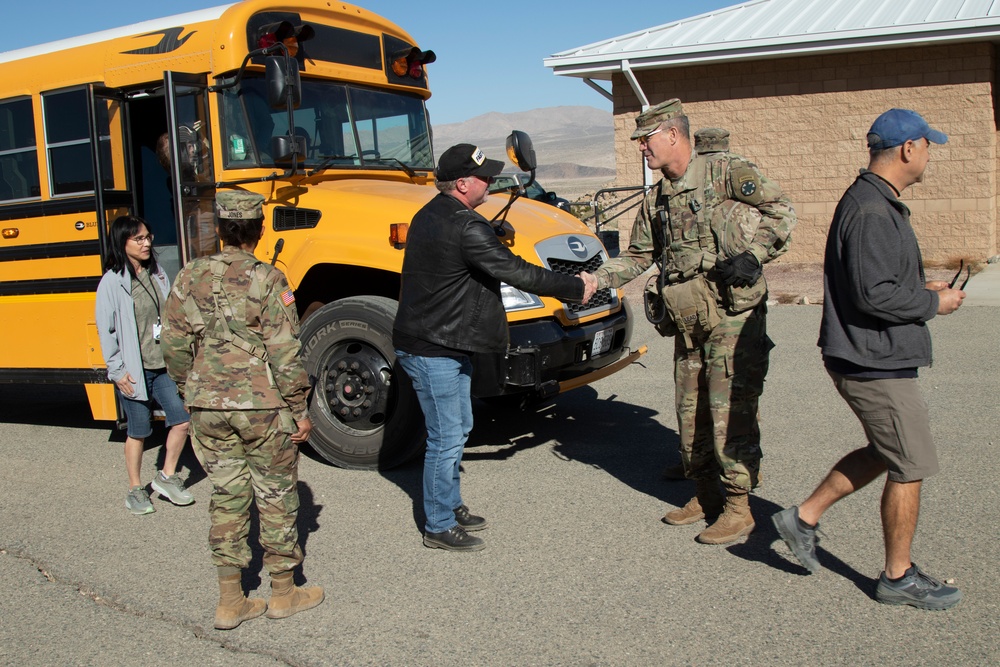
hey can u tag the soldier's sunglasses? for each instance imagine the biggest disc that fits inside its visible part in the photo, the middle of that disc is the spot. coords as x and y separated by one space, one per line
968 274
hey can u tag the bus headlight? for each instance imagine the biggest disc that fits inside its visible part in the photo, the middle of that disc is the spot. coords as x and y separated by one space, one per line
515 299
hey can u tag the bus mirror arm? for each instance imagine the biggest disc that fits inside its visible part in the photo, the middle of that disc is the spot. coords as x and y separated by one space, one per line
227 83
278 245
496 222
273 176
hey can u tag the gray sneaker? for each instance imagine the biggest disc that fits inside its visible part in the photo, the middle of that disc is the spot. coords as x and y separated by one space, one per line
137 501
172 488
917 589
802 541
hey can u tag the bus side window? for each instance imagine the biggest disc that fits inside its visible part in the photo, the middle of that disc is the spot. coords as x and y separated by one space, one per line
239 150
18 156
70 168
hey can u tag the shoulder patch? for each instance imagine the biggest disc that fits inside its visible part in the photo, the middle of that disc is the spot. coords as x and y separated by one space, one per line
745 184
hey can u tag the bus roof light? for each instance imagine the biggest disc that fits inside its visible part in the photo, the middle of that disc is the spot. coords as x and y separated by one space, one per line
286 33
411 62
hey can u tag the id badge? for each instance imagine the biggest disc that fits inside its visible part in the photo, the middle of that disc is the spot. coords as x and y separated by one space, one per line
157 328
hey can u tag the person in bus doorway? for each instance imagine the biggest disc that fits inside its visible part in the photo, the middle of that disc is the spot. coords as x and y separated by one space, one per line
450 309
130 301
231 343
196 214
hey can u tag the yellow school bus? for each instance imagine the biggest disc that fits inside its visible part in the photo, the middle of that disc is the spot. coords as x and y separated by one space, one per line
319 107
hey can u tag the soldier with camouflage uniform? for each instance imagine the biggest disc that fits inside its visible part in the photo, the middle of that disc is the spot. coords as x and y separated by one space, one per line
709 224
231 344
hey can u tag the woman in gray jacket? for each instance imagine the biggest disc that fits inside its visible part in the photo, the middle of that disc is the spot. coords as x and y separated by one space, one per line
130 299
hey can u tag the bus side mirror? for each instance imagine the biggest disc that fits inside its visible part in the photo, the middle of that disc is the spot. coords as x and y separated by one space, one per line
520 151
283 83
283 148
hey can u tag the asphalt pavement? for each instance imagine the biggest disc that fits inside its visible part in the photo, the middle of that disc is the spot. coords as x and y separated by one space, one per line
578 569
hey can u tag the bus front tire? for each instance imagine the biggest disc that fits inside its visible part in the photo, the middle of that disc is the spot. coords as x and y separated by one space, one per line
364 411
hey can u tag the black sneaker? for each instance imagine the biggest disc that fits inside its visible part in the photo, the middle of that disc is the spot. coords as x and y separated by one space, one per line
453 539
802 541
469 522
917 590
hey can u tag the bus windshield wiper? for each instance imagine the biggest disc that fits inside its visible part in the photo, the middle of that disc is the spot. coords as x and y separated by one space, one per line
328 160
391 160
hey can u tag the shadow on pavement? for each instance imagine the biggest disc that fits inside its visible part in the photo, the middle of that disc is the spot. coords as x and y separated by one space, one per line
47 405
759 547
307 524
581 428
187 460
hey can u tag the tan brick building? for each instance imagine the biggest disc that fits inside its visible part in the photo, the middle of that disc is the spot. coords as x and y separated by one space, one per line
800 108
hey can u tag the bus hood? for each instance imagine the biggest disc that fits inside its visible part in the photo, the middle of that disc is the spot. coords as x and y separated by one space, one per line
393 202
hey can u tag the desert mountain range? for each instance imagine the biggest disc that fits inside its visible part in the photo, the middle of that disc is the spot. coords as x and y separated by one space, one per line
574 145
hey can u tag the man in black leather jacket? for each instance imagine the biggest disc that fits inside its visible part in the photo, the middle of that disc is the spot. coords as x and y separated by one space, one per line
449 309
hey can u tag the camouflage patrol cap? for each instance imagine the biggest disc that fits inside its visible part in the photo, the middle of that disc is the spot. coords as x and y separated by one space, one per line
651 118
239 205
711 140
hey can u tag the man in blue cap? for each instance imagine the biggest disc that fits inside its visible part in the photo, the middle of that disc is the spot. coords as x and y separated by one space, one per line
873 338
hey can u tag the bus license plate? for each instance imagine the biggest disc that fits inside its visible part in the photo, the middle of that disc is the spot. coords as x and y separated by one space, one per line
602 342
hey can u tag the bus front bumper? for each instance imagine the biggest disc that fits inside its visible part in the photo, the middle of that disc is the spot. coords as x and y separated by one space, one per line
545 358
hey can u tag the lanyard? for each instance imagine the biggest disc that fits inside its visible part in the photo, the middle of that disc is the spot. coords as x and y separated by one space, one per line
152 295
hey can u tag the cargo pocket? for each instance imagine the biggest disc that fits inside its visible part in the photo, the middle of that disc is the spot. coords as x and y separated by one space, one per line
286 422
884 435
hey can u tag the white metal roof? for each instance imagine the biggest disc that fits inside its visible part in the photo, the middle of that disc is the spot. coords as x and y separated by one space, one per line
774 28
152 25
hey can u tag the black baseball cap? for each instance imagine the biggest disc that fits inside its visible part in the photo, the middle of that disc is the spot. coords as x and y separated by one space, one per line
463 160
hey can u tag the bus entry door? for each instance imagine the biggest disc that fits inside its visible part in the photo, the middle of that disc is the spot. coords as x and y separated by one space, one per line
192 174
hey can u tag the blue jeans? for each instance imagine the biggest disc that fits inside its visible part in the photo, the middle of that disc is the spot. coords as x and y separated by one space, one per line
444 390
159 388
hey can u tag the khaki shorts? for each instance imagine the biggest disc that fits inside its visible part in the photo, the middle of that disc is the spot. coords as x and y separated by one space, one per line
894 416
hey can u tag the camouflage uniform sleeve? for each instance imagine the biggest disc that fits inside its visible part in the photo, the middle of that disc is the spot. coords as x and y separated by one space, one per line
177 338
280 329
746 183
642 249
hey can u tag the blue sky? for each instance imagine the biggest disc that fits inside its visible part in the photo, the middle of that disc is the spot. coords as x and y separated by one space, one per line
489 53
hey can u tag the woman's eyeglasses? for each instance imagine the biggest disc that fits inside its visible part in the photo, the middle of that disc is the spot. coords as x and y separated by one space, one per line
141 240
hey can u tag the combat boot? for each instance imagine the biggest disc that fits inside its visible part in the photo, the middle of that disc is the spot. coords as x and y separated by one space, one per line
287 598
734 522
706 502
234 607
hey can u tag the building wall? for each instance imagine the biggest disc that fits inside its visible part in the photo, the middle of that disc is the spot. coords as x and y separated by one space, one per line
803 121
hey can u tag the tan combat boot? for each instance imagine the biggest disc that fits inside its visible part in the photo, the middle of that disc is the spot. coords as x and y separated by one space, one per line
735 522
234 607
707 501
287 598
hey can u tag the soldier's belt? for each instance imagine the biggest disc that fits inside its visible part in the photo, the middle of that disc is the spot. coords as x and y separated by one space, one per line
679 272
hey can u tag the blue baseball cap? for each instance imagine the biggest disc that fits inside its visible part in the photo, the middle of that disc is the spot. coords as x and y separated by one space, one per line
897 126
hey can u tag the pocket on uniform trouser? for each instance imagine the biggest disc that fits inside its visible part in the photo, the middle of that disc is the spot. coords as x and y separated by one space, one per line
286 422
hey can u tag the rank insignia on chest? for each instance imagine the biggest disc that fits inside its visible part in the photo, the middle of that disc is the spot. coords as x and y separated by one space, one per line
748 187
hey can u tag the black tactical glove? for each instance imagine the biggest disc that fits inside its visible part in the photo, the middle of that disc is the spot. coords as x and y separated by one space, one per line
741 271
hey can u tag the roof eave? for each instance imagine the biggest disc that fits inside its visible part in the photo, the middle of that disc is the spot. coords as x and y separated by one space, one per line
604 65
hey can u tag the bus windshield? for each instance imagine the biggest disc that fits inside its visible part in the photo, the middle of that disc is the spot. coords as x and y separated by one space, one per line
343 126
